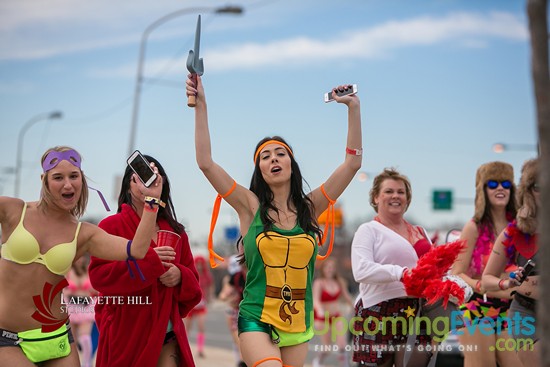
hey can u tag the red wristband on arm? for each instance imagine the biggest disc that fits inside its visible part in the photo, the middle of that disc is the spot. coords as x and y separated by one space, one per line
351 151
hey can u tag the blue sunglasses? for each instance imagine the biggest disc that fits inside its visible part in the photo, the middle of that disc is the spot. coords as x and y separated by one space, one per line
493 184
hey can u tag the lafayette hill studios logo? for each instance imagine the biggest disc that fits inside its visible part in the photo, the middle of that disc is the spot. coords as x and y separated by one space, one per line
43 303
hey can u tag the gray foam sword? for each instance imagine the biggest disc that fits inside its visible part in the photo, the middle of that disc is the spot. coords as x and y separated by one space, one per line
194 63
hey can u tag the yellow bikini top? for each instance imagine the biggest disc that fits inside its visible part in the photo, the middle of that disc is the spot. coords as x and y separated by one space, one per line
23 248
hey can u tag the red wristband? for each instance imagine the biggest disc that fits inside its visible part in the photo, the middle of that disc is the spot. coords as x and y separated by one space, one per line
153 209
500 282
351 151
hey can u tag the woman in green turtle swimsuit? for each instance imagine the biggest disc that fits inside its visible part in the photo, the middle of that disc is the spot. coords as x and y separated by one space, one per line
281 234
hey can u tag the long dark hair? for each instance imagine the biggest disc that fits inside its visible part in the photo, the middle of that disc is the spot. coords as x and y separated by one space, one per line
168 213
301 202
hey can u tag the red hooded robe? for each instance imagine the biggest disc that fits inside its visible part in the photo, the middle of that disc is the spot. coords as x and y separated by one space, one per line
133 335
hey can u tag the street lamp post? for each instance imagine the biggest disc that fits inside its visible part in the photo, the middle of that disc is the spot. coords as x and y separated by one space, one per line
145 35
502 147
18 157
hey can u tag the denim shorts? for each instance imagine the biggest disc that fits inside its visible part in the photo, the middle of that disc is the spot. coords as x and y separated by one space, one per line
522 322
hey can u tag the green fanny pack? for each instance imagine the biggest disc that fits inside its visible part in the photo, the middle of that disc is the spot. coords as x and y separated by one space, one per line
39 346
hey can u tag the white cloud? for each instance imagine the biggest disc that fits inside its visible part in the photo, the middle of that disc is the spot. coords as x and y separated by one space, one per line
455 30
460 29
36 29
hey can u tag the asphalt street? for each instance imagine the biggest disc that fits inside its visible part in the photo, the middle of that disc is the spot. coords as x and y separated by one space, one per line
218 349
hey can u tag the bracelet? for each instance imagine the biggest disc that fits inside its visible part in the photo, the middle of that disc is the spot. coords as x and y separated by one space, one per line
500 282
154 201
351 151
131 258
153 209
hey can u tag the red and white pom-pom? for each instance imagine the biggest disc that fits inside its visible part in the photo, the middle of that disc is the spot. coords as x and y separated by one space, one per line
426 279
447 290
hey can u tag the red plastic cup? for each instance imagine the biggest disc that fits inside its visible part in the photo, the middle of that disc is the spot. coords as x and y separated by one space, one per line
168 238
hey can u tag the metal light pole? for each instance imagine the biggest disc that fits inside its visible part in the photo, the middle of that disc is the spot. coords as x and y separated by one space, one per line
18 157
502 147
145 35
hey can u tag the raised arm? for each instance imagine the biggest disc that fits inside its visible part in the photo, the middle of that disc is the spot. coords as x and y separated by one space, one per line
241 199
105 246
342 176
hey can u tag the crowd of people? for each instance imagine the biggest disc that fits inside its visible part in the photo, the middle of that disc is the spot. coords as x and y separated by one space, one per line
280 291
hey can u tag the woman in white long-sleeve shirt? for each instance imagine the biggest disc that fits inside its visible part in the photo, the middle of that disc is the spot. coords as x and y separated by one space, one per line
382 250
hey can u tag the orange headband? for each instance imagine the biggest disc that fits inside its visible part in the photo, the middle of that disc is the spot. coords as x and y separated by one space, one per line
271 142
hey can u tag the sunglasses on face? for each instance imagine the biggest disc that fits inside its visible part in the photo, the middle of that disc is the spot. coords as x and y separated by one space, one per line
493 184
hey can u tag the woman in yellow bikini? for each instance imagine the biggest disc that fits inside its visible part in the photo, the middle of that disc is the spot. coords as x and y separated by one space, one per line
40 242
280 233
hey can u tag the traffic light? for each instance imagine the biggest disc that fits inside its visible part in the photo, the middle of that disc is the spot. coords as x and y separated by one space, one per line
442 199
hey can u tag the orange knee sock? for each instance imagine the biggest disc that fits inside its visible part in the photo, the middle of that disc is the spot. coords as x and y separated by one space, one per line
267 359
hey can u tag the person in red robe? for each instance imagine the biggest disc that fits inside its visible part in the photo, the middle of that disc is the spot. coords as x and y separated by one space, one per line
140 307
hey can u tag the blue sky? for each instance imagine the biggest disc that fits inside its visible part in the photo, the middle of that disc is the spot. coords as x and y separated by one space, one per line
440 82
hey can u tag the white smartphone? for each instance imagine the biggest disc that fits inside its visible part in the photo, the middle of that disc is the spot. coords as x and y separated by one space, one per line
141 167
347 92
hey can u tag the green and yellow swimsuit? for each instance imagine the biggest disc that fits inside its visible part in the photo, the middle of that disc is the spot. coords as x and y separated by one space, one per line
278 296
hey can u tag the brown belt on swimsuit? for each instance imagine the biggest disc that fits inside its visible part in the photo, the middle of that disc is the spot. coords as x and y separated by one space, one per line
287 295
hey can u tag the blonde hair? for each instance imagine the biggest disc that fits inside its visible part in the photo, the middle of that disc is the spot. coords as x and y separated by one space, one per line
389 174
321 271
46 197
323 266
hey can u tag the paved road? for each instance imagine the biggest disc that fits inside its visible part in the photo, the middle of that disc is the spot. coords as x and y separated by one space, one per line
218 350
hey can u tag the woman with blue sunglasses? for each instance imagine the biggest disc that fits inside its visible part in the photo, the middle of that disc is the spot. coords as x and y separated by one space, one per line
494 209
519 243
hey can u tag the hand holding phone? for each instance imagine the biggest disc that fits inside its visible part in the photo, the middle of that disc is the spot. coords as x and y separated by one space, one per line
352 89
142 168
527 269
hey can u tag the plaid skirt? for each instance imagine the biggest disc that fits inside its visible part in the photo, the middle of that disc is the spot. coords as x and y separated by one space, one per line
375 341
